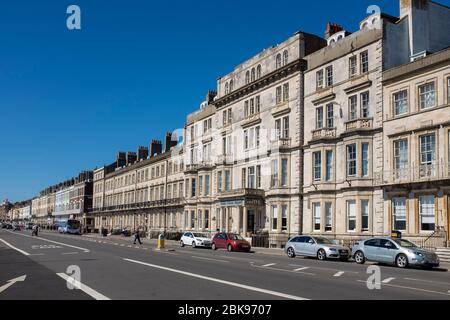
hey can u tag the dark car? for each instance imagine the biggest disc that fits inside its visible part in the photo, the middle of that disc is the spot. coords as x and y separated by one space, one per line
16 227
231 242
9 226
4 225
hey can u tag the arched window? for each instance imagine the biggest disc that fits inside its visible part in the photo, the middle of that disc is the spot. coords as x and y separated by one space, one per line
253 74
231 86
226 88
285 57
247 77
258 72
278 64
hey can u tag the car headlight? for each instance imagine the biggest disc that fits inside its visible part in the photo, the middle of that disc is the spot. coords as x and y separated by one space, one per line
333 249
420 254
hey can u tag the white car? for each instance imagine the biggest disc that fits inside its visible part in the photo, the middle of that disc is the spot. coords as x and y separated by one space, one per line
195 239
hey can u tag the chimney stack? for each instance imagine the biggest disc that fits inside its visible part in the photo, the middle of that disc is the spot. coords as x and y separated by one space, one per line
171 141
210 96
142 153
155 148
121 159
332 28
131 157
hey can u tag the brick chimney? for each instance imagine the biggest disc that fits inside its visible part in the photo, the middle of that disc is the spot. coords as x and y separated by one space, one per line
171 141
121 159
155 148
142 153
332 28
210 96
131 157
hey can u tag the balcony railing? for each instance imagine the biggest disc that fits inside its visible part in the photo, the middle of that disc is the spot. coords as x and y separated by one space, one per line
141 205
281 143
410 174
242 193
324 133
358 124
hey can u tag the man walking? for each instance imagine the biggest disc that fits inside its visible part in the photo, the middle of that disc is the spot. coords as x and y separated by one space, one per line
137 237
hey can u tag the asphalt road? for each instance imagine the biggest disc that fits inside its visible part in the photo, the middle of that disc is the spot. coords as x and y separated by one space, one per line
114 268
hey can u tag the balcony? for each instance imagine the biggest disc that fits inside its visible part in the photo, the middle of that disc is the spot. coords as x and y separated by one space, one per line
251 120
139 206
324 133
414 174
280 144
359 124
240 193
224 159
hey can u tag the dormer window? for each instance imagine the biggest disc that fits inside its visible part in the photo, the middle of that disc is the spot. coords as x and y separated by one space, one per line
285 57
258 72
231 85
278 61
253 75
247 77
226 88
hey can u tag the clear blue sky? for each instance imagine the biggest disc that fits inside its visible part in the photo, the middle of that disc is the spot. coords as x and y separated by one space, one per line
69 100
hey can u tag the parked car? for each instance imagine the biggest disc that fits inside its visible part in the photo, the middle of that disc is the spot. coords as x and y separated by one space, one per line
4 225
230 241
195 239
316 246
9 226
29 226
16 227
399 252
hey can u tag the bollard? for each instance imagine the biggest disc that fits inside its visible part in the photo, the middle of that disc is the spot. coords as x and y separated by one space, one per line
161 241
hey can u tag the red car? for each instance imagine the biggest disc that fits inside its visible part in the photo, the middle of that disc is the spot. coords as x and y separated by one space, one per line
231 242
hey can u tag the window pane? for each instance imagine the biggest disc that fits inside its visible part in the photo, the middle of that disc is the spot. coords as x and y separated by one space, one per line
316 216
427 96
319 118
317 158
427 213
284 172
365 159
351 160
328 216
329 165
399 213
284 217
401 102
274 217
427 149
365 105
353 105
351 215
365 215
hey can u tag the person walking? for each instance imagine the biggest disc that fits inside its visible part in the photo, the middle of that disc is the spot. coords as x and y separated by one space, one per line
137 237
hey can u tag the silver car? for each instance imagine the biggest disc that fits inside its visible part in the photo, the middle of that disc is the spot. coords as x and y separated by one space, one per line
316 246
399 252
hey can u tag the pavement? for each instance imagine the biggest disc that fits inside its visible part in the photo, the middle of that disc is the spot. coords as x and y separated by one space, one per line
68 267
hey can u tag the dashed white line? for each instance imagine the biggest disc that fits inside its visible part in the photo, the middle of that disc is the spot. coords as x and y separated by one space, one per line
387 280
51 241
12 247
66 253
411 288
210 259
269 265
300 269
229 283
338 274
88 290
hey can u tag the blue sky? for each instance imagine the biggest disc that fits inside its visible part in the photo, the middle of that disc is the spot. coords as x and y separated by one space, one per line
69 100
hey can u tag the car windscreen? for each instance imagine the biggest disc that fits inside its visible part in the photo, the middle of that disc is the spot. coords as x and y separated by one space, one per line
323 241
405 243
200 235
235 237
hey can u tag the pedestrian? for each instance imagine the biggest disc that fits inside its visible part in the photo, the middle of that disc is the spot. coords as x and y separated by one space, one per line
37 230
33 230
137 237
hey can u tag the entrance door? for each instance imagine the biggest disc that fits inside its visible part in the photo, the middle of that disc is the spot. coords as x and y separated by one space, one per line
251 221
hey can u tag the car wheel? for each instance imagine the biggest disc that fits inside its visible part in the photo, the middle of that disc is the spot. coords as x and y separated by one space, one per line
321 255
401 261
193 244
213 247
291 252
230 248
182 243
359 257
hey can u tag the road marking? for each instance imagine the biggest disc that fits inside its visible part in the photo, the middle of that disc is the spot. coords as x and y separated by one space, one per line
283 270
56 242
410 288
70 253
322 268
203 258
300 269
338 274
12 247
12 282
387 280
94 294
269 265
122 245
421 280
229 283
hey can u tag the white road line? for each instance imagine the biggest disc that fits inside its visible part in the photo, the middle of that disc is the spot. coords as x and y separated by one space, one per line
410 288
300 269
229 283
203 258
269 265
387 280
12 247
94 294
70 253
51 241
283 270
338 274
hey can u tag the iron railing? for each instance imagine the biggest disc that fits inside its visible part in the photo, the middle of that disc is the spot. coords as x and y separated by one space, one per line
140 205
409 174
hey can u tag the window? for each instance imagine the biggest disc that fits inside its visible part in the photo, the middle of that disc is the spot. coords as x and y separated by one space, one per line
230 117
330 116
278 61
278 95
245 139
219 181
316 216
200 185
252 106
448 90
329 165
353 106
365 104
319 79
206 219
352 66
258 176
285 127
399 213
400 102
257 104
193 187
317 169
246 110
274 182
285 57
427 96
351 215
258 72
365 159
274 213
319 118
244 178
285 92
365 215
328 216
400 155
257 136
329 71
351 160
227 180
364 62
226 88
427 213
251 177
192 219
427 149
247 77
284 172
253 75
284 217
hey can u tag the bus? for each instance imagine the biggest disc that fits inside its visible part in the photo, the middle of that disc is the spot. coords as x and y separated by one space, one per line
71 226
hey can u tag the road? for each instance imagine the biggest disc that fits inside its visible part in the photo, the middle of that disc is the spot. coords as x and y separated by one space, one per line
111 268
